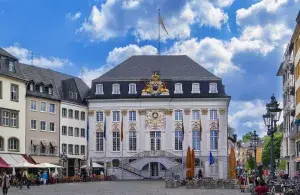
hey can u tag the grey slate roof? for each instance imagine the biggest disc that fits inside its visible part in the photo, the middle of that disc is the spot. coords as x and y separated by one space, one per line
173 67
6 54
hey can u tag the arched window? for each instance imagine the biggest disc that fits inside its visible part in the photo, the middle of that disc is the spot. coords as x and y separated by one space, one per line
1 143
178 88
132 88
195 88
13 144
99 89
115 89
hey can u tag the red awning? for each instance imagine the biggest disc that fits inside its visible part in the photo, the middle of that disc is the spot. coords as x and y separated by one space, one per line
3 164
28 158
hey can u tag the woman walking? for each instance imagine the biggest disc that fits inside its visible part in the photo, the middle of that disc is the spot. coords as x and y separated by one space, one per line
5 183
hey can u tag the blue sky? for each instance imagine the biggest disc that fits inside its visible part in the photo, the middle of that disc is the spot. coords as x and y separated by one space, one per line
242 41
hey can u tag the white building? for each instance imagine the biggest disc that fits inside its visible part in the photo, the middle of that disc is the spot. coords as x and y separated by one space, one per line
12 106
152 94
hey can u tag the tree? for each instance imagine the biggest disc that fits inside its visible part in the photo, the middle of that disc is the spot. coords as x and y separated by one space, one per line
250 164
231 130
267 148
247 137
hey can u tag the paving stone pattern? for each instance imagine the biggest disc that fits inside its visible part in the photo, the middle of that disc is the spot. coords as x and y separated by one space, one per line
117 188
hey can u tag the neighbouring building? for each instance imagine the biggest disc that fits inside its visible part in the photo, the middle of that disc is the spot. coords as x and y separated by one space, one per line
290 71
12 110
150 97
241 151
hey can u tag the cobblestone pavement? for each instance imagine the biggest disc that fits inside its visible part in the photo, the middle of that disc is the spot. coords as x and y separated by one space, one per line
117 188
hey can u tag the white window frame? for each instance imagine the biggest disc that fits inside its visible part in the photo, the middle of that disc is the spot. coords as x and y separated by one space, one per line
42 107
132 115
77 133
69 151
50 127
196 115
213 114
41 125
196 140
62 130
69 128
178 114
11 66
32 107
53 107
66 113
69 115
84 134
116 116
99 89
99 141
76 148
41 89
33 124
178 88
82 149
178 140
132 88
13 120
64 148
5 118
16 144
31 87
116 89
14 92
213 88
214 140
132 141
99 116
70 95
196 88
75 96
50 90
116 141
77 115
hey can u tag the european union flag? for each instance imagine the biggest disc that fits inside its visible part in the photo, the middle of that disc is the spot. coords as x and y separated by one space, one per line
211 159
104 133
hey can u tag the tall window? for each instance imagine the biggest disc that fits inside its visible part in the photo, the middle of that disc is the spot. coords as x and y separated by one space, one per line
9 118
52 127
178 115
70 131
50 90
64 112
76 149
213 114
13 119
132 140
82 133
76 132
178 140
51 149
43 125
178 88
116 141
99 116
82 149
155 141
196 140
99 141
64 130
33 105
214 140
82 116
70 149
213 88
1 143
116 116
195 88
33 124
115 89
11 66
75 96
64 148
99 89
43 106
132 115
13 144
195 115
132 88
14 93
70 113
77 114
31 87
52 108
5 118
43 147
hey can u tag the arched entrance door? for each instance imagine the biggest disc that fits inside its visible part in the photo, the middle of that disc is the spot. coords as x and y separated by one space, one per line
155 140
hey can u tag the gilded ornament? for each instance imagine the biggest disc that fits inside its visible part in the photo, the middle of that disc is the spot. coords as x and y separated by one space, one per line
187 111
155 87
168 112
124 112
222 111
91 113
213 125
142 112
178 125
204 111
155 119
107 112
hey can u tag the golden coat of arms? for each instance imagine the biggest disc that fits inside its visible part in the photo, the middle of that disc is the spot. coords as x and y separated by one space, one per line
155 86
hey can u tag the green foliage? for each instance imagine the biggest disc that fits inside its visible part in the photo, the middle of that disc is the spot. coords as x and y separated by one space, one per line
251 162
282 165
247 137
267 148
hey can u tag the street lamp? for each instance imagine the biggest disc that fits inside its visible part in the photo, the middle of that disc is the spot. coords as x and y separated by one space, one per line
270 119
254 142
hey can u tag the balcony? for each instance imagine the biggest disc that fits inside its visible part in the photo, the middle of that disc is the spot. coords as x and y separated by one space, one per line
295 130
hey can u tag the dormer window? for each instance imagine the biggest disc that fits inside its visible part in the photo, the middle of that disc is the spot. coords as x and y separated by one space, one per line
71 95
99 89
178 88
50 90
213 88
31 87
195 88
11 66
41 89
115 89
75 96
132 88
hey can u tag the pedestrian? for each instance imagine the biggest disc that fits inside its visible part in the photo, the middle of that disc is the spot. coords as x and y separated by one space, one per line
25 178
45 177
19 179
262 188
5 183
200 174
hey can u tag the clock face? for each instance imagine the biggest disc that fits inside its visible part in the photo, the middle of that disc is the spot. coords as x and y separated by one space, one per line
155 115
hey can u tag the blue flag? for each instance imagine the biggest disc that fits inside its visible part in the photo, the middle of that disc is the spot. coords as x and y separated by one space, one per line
211 159
104 133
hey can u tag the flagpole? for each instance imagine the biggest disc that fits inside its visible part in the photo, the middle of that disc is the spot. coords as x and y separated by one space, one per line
122 145
182 151
122 160
105 139
158 31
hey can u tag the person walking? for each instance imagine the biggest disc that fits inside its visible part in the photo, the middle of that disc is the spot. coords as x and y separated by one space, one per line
25 178
45 177
5 183
200 174
19 179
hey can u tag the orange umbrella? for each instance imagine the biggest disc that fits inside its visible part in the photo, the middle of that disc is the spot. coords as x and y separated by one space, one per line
188 162
232 164
193 163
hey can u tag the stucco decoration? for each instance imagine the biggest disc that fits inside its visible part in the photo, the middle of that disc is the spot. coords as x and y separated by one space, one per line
222 111
142 112
168 112
204 111
187 111
91 112
115 127
124 112
155 119
99 127
213 125
178 125
107 112
132 126
196 125
155 87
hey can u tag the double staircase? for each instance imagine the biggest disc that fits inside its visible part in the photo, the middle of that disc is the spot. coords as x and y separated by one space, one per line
128 162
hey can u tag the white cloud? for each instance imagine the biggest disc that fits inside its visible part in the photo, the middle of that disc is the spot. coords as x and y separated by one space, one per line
74 16
25 56
115 57
223 3
118 18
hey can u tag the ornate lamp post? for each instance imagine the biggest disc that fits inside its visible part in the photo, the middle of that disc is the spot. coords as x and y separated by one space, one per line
270 119
254 142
